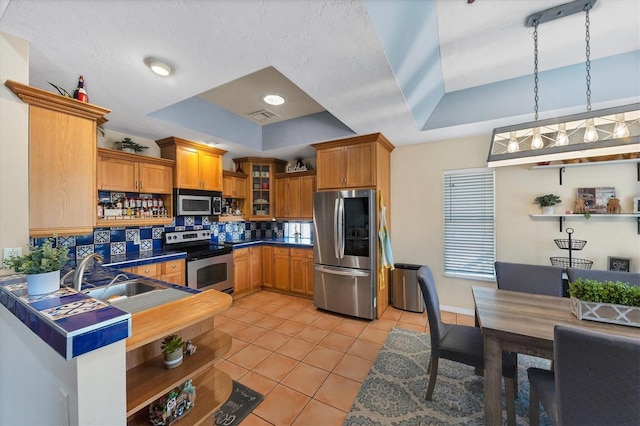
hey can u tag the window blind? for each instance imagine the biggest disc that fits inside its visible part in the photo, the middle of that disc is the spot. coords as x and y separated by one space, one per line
469 223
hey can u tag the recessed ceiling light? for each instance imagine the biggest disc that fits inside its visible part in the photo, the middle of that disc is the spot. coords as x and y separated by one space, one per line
273 99
158 66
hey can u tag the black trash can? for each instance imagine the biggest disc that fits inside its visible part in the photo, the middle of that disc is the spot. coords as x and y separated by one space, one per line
405 290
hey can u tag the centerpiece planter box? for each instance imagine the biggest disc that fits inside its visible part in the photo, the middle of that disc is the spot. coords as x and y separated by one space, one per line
606 312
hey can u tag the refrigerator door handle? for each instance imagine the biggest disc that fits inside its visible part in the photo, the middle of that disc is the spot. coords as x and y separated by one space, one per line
336 241
341 228
342 271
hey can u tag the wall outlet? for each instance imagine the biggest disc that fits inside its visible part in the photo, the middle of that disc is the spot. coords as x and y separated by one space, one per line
8 252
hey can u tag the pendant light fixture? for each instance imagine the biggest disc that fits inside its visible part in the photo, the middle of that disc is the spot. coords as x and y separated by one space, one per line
604 132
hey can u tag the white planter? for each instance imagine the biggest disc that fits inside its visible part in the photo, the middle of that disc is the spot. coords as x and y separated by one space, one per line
173 359
47 282
606 312
548 210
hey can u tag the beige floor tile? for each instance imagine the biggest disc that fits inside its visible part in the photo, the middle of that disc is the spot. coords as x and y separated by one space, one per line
349 328
466 320
374 335
338 342
249 333
365 349
275 366
236 346
448 317
296 348
269 322
304 317
281 406
253 420
305 378
247 303
317 413
414 318
290 328
392 313
300 303
353 367
312 334
267 308
338 392
252 317
282 299
231 325
324 358
258 382
383 324
234 312
326 322
263 296
249 356
271 340
233 370
285 312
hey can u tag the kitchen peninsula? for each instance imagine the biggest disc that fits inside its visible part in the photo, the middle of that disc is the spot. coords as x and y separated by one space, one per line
104 365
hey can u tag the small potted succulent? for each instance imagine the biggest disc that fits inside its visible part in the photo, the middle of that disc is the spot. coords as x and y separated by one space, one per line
172 350
42 267
547 202
127 145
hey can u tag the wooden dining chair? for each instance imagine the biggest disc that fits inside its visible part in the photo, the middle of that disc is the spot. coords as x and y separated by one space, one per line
596 380
631 278
459 343
526 278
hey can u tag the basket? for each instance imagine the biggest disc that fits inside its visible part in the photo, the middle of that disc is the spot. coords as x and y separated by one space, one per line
574 263
570 244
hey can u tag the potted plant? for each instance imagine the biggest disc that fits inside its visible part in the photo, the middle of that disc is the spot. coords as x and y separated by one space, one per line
128 145
41 266
172 350
547 202
607 301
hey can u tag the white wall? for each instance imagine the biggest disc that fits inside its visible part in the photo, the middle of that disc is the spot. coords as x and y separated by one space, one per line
14 145
417 220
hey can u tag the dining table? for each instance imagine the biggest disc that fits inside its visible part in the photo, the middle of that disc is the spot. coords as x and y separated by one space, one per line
523 323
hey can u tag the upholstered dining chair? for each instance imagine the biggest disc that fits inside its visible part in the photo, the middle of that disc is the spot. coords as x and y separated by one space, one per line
536 279
596 380
459 343
631 278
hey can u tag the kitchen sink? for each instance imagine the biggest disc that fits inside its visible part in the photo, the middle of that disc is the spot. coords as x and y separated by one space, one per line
122 289
136 295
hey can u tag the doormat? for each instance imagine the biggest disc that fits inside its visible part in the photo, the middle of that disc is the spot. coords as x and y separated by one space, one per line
240 403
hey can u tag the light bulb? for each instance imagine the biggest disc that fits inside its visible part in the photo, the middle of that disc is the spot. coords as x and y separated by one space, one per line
620 130
513 143
536 142
590 132
561 138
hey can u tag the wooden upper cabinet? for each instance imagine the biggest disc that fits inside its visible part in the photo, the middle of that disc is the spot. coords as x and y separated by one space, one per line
120 171
294 195
62 162
260 186
234 184
356 162
197 166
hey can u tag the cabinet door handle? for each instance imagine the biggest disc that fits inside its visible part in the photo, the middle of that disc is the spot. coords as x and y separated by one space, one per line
141 185
146 271
173 266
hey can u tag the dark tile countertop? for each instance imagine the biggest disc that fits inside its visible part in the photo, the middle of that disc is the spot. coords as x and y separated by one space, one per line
289 242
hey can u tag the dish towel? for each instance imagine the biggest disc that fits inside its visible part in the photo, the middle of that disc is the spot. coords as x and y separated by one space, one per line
385 239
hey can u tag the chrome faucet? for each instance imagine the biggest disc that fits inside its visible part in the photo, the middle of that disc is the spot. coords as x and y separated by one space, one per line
113 280
79 274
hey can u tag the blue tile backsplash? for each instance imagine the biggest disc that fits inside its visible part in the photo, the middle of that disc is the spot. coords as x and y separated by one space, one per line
119 241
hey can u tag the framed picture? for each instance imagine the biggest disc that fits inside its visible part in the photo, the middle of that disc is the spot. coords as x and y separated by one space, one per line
595 199
621 264
636 205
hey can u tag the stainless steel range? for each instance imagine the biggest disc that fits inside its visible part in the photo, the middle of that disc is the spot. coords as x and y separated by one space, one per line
209 266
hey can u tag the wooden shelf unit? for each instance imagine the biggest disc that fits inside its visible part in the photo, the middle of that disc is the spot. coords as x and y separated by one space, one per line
562 217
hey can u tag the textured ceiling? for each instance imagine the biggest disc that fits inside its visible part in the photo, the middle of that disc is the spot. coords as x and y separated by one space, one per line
416 71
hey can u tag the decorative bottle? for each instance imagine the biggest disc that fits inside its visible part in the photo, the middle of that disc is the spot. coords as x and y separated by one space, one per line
80 93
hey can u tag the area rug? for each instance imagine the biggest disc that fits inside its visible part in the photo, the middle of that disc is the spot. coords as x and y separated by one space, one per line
240 403
393 392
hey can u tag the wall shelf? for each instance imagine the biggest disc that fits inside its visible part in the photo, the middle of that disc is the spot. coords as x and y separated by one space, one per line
562 217
562 167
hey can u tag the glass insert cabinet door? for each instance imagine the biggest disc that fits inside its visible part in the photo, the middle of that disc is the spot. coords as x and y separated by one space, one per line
261 190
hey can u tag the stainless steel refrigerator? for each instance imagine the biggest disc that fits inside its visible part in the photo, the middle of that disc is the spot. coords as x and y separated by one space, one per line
344 252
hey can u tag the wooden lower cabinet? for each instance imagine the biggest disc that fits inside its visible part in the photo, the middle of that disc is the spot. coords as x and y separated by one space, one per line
281 262
302 271
171 271
267 267
247 264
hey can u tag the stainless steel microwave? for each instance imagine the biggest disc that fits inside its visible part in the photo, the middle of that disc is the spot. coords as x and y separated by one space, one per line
193 202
